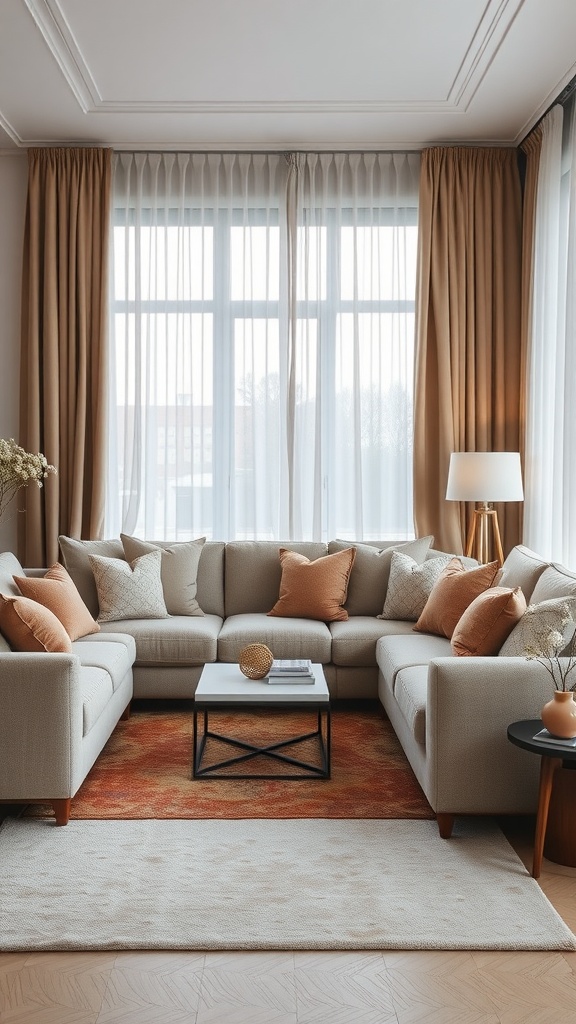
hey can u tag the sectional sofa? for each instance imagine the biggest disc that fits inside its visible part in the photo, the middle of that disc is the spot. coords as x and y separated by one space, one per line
450 713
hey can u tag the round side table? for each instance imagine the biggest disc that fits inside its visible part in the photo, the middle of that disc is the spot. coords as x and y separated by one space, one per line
553 756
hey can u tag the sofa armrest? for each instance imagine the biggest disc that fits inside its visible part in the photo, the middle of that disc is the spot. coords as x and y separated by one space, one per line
471 702
40 724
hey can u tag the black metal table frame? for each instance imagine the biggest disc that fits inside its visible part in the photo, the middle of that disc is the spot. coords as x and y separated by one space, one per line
251 750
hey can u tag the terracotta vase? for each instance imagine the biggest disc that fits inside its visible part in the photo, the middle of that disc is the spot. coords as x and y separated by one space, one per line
559 715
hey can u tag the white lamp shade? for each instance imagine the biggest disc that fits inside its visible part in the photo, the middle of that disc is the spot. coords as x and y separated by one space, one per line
485 476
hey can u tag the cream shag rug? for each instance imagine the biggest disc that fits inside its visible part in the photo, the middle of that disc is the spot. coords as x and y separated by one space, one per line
268 884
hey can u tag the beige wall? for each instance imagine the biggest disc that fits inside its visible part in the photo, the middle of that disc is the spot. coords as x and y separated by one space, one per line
13 183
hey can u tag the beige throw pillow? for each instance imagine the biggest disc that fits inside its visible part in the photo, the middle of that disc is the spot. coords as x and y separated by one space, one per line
314 590
410 584
178 570
129 590
453 592
56 591
545 628
487 622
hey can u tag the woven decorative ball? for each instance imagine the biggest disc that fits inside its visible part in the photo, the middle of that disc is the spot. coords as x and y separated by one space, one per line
255 661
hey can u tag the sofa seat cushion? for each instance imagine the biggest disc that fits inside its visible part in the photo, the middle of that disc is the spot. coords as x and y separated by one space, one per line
97 691
394 653
176 640
286 637
354 641
105 638
114 658
411 692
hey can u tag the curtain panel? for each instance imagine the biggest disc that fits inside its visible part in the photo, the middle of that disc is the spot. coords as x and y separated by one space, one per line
550 517
63 352
262 317
468 328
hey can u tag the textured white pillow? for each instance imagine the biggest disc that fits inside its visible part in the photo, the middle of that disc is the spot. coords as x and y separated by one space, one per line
530 636
129 590
410 584
178 570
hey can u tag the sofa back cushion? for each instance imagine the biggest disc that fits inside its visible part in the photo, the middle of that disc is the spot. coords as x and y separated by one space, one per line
209 581
371 571
9 568
555 581
522 568
253 573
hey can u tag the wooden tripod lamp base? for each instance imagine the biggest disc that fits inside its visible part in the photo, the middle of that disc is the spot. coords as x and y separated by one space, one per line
484 529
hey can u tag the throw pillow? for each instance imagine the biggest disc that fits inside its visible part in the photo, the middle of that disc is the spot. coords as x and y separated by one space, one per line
178 571
453 592
545 628
371 572
410 584
75 556
29 626
129 590
314 590
56 591
487 622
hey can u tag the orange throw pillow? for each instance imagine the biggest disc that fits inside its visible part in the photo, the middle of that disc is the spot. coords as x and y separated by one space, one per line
314 590
488 622
56 591
30 627
454 590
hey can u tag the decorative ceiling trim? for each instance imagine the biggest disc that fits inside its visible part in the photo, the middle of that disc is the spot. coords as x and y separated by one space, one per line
58 36
55 28
10 131
493 27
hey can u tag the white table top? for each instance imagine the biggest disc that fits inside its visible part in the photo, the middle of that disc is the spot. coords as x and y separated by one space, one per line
226 683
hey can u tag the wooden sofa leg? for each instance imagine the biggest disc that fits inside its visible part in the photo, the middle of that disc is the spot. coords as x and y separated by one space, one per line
62 810
126 713
445 825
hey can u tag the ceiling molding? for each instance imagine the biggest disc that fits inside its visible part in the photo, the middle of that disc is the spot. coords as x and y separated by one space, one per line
494 24
10 131
548 102
497 19
58 36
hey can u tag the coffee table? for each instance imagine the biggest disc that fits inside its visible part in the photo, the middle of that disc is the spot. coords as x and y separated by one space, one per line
223 687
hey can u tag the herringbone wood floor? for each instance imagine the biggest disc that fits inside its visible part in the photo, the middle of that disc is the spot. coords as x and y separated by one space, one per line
302 988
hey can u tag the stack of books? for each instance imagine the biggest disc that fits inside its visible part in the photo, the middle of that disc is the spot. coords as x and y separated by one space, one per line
546 737
291 670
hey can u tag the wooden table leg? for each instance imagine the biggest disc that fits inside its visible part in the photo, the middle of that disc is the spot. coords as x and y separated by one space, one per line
548 766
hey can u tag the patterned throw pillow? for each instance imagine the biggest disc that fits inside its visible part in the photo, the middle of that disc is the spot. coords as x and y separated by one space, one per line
540 622
410 584
314 590
129 590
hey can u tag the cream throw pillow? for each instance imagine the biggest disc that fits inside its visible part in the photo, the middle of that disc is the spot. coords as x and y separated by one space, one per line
410 584
129 590
541 622
178 570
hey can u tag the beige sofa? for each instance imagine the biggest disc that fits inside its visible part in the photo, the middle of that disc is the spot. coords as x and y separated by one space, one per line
450 713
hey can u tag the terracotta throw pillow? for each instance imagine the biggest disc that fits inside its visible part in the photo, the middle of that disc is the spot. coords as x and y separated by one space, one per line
487 622
453 592
30 627
314 590
56 591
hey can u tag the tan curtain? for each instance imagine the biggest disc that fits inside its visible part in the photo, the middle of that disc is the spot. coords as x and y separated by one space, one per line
468 328
63 379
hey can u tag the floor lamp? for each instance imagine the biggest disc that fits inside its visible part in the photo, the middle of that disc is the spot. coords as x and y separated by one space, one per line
484 477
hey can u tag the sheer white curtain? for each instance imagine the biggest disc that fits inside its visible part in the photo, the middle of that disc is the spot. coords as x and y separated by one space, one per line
550 491
262 345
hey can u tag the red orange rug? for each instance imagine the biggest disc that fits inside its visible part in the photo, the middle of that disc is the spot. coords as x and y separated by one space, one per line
145 772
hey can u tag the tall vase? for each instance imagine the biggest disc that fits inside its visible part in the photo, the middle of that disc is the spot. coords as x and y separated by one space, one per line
559 715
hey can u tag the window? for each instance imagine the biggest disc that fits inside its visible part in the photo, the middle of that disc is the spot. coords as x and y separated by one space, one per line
261 384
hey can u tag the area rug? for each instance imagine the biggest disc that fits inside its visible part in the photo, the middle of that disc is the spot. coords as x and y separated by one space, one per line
265 884
145 772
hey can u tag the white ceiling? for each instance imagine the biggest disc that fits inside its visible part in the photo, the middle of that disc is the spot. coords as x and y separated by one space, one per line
246 74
